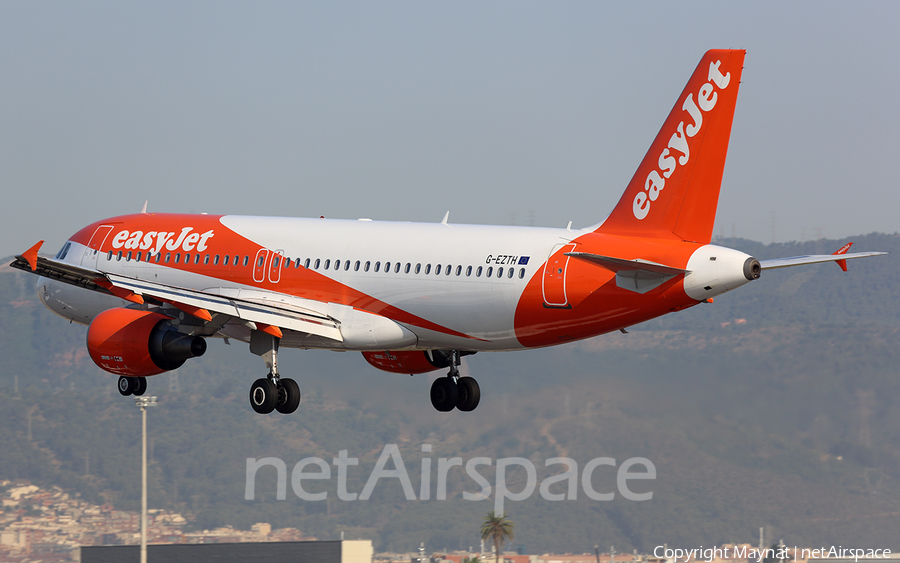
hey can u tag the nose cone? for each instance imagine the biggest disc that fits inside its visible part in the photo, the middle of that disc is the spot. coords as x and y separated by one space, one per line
716 269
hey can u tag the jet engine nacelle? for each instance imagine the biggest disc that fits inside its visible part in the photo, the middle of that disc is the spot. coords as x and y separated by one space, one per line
138 343
411 362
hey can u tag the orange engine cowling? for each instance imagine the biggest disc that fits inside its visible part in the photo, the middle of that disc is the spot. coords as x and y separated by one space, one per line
410 362
137 343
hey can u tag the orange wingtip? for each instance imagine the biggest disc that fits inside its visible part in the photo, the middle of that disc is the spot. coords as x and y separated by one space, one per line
30 255
843 250
270 329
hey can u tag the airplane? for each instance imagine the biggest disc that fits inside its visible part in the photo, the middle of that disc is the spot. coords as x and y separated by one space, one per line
412 297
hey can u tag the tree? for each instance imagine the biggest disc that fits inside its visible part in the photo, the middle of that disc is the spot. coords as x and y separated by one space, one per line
497 529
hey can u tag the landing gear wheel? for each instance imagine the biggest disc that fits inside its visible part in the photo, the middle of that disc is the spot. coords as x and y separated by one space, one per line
126 385
444 394
140 386
288 396
469 394
263 396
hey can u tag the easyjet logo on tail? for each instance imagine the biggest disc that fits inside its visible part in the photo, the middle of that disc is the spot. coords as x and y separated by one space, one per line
156 240
678 144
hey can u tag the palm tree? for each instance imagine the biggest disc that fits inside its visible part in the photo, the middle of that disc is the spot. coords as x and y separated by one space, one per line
497 529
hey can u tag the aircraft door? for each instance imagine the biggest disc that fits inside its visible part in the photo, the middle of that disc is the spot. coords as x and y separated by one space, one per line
89 259
554 279
259 265
276 265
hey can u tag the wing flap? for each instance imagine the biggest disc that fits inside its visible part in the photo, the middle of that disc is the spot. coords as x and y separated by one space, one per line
296 319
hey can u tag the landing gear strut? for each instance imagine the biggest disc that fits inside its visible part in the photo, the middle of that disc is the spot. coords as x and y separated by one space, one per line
453 391
271 392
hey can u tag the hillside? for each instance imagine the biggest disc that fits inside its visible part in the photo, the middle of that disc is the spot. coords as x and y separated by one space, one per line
775 406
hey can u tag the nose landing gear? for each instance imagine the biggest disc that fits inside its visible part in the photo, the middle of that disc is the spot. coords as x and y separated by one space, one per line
453 391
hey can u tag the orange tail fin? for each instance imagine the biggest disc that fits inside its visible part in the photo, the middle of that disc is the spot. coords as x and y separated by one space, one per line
675 191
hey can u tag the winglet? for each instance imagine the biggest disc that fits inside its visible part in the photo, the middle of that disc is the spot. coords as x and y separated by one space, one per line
843 250
30 255
446 218
144 209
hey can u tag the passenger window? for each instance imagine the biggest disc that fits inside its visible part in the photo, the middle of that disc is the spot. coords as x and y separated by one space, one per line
109 255
275 261
262 259
500 272
158 256
177 257
366 268
387 267
449 267
246 260
197 258
437 270
337 264
468 271
187 258
397 268
521 273
327 264
490 272
137 257
458 270
356 266
478 272
407 268
427 269
225 260
418 268
306 264
297 264
511 272
216 260
377 266
128 256
347 265
119 256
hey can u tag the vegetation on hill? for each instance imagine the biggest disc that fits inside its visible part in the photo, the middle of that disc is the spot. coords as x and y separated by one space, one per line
775 406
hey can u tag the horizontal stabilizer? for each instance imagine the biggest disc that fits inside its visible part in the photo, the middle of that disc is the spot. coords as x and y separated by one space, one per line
619 264
639 276
813 259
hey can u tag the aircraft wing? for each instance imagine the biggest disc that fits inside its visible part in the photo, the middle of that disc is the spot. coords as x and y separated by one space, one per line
200 303
267 317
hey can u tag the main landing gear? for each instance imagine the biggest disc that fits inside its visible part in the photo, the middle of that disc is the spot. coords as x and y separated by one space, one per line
271 392
455 392
132 385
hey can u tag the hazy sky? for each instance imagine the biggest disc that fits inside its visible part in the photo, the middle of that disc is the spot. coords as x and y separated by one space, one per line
501 112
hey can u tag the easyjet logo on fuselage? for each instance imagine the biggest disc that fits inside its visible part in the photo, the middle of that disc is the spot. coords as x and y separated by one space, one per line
667 163
186 240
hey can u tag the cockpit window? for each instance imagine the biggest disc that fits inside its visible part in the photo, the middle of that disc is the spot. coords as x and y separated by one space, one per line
61 255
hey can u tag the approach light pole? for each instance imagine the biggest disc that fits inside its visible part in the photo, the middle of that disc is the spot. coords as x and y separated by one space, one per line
142 403
597 552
